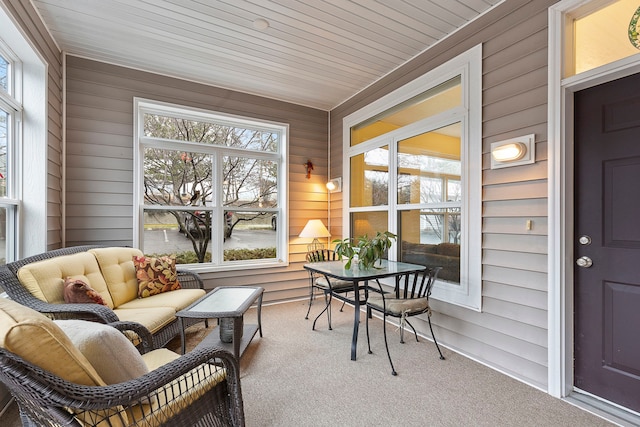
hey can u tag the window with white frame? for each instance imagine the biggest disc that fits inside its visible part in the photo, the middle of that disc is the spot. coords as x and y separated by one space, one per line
210 187
10 114
415 167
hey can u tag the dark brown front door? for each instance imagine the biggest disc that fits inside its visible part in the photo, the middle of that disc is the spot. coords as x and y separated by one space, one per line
607 246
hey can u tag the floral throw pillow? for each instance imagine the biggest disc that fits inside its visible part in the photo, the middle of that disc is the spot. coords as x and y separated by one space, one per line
155 275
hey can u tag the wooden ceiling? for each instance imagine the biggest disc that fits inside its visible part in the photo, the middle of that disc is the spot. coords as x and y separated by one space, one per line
316 53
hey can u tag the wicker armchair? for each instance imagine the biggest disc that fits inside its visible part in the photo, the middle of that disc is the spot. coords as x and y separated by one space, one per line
47 400
10 283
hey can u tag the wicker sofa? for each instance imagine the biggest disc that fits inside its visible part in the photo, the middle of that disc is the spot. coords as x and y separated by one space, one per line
37 282
80 373
445 255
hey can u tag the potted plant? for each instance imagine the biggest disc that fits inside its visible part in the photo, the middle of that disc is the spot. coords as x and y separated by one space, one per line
368 251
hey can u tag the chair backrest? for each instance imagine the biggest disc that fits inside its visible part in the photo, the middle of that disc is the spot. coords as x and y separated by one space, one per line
421 284
320 255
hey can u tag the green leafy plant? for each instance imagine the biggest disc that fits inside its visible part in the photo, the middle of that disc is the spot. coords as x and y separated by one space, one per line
368 250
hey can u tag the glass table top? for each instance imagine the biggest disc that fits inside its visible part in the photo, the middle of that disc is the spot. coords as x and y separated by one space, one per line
226 299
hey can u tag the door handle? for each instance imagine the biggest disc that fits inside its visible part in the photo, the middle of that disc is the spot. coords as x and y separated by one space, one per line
584 262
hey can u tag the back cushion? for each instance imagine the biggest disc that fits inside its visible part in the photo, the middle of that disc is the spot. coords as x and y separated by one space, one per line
118 271
38 340
45 279
110 353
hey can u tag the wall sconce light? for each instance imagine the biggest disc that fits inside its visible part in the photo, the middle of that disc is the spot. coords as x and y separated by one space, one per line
513 152
314 228
335 185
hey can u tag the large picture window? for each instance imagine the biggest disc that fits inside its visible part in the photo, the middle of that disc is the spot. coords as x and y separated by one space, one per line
414 168
211 187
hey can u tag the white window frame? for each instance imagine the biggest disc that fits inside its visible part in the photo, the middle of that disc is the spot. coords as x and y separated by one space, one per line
468 65
143 106
29 160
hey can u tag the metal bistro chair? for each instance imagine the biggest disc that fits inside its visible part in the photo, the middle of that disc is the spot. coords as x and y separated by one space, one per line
410 301
328 288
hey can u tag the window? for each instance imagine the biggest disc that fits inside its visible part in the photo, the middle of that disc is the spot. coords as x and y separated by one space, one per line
415 161
10 113
211 188
603 32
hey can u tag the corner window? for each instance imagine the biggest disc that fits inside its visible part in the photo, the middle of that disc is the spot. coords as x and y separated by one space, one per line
415 161
210 187
10 113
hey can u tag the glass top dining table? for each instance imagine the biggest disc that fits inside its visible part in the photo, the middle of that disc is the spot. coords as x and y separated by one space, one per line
337 270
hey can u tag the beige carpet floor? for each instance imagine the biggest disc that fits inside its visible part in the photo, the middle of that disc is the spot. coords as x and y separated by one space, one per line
294 376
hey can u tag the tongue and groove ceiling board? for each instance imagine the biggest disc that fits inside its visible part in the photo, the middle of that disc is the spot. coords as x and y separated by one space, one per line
316 53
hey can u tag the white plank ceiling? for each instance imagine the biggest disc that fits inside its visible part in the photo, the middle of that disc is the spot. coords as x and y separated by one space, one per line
316 53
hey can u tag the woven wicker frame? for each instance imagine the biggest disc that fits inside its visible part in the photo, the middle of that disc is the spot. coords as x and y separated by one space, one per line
47 400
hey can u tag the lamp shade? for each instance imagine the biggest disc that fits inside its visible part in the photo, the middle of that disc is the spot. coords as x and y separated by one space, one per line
314 229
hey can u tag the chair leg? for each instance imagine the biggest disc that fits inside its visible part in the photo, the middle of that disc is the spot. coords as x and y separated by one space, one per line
311 295
327 308
368 340
414 329
386 344
434 339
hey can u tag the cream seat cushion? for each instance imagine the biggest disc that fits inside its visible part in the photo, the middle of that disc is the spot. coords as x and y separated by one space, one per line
116 265
398 306
45 279
177 300
153 319
38 340
174 397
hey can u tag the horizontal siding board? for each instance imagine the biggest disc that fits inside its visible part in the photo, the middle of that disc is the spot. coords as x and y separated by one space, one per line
498 324
517 120
497 340
533 172
520 312
515 243
515 225
509 208
521 278
516 49
515 294
516 190
101 199
118 174
516 71
524 100
102 235
515 260
88 137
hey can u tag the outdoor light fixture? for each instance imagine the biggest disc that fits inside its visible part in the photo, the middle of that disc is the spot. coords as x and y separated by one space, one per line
335 185
314 228
513 152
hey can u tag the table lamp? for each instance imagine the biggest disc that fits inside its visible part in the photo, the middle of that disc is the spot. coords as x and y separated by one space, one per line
315 228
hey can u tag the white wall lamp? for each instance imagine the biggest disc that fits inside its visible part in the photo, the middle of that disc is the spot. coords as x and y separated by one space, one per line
513 152
335 185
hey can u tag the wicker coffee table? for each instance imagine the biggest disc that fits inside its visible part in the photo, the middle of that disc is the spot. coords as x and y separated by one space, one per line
226 302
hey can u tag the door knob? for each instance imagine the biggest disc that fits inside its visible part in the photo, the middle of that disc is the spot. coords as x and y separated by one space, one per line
584 261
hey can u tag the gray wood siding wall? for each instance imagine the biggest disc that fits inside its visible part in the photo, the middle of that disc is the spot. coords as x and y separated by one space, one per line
100 161
511 331
33 28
